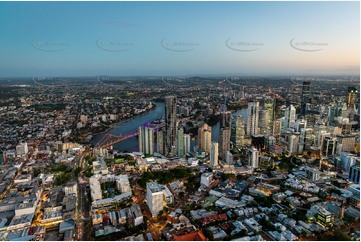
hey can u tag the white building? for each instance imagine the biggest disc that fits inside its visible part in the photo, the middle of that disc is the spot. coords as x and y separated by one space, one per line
137 214
214 155
122 182
70 188
252 118
154 198
187 143
290 116
207 179
22 149
146 140
95 189
253 158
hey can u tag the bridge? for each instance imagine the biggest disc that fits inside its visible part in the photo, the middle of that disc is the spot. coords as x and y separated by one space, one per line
111 139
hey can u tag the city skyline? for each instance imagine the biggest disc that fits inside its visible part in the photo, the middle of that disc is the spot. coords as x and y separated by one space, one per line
179 38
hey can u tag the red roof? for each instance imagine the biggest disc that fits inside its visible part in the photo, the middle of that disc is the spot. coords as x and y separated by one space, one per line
195 236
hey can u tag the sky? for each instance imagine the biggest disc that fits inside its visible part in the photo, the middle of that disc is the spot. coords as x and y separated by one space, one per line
179 38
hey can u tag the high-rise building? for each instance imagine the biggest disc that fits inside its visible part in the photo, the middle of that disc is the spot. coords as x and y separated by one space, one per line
348 160
187 143
224 142
170 126
154 198
205 138
329 146
290 115
225 121
352 96
263 121
293 144
276 129
160 142
146 139
354 174
269 104
305 97
180 143
253 158
214 155
348 142
252 118
239 132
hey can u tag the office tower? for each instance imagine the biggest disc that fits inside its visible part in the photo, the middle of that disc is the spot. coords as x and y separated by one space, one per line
263 121
146 139
354 174
305 97
224 142
290 115
300 124
348 160
269 104
214 155
347 141
170 126
293 144
331 114
205 138
253 157
276 129
154 198
329 146
160 142
187 143
239 132
252 118
180 143
225 121
307 138
352 96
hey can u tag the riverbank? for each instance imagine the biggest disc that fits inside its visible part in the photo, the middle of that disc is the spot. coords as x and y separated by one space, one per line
114 125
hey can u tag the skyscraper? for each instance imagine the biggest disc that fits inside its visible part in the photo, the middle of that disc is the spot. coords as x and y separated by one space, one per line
290 115
180 143
160 142
146 139
204 138
269 104
225 119
224 142
305 97
263 121
170 126
187 143
214 155
352 96
239 132
276 129
252 120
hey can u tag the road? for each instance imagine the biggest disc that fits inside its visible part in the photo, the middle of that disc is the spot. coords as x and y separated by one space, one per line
83 203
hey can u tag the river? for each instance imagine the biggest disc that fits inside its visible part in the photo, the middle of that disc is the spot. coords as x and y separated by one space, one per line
131 125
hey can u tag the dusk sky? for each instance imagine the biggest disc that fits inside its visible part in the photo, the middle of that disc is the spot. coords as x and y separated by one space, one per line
178 38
